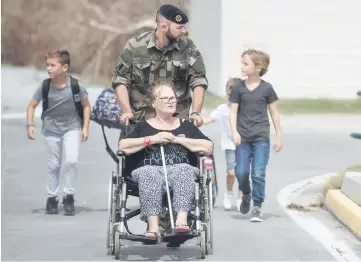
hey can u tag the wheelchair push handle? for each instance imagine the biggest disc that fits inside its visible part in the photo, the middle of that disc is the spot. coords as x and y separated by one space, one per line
124 134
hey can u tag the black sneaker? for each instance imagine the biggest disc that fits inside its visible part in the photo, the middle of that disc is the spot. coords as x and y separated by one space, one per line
245 204
256 215
51 206
68 203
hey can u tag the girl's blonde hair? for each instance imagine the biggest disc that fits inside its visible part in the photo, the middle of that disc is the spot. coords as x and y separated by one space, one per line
259 58
231 83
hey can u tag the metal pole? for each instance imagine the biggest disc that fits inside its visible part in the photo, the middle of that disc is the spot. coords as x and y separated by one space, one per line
167 187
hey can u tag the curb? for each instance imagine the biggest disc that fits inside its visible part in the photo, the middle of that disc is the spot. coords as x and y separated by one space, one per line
314 227
347 211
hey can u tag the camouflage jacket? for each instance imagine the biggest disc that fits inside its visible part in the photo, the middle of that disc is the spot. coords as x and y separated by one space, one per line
141 63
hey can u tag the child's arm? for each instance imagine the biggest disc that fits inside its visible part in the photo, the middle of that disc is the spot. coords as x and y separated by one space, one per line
234 100
86 112
30 111
207 120
213 116
233 123
275 115
30 118
34 102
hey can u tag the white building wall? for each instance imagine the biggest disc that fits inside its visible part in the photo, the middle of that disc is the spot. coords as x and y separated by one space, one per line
315 45
205 31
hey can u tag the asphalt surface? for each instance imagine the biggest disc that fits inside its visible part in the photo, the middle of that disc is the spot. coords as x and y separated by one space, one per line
29 234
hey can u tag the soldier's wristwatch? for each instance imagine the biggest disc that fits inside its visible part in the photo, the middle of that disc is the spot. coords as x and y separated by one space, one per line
196 113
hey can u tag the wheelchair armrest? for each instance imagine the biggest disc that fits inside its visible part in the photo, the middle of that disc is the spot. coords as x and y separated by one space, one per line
120 153
201 154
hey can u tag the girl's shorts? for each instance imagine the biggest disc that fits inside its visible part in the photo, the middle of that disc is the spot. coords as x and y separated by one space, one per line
230 159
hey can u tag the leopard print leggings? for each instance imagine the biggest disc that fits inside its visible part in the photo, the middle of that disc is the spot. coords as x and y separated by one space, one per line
151 182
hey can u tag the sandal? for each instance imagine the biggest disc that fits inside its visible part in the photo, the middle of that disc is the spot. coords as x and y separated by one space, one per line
182 229
149 234
152 238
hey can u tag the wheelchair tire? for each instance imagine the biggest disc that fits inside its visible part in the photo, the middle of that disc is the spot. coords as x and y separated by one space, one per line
209 221
118 247
215 183
202 244
110 209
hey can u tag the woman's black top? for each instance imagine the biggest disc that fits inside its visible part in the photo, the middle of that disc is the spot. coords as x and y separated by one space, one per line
173 153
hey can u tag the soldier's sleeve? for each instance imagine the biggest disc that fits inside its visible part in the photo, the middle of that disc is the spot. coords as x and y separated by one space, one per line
123 67
197 69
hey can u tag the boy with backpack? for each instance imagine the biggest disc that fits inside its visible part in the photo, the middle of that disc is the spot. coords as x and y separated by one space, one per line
66 117
250 101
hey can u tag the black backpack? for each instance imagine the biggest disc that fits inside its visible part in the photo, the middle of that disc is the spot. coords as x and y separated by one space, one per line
76 93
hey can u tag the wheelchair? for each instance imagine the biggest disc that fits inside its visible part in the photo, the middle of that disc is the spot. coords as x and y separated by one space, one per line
200 218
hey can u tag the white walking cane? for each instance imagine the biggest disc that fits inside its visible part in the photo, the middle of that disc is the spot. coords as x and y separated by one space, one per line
167 187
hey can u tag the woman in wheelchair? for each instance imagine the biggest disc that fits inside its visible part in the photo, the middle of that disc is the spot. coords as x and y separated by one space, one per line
181 140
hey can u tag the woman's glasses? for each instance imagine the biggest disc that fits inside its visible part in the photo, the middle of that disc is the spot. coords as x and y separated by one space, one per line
168 100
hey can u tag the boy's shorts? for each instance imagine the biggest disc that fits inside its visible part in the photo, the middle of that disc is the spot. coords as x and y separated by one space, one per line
230 159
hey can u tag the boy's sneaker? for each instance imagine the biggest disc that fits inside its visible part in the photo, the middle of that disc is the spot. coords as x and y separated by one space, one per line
256 214
68 203
51 206
227 201
245 204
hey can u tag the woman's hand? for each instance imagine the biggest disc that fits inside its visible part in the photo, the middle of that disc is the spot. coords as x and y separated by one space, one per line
162 137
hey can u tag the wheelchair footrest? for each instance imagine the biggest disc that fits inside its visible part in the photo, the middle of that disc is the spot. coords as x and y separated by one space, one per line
174 237
140 238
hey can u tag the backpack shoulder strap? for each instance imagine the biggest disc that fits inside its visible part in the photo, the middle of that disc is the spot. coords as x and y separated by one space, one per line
74 83
45 93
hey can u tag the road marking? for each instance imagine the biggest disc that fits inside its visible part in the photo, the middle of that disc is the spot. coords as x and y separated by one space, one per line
313 226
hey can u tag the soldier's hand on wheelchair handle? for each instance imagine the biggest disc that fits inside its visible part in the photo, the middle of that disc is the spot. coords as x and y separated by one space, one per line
196 119
125 117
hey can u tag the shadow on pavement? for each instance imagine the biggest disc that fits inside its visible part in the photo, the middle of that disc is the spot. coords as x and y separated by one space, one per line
78 210
161 252
266 216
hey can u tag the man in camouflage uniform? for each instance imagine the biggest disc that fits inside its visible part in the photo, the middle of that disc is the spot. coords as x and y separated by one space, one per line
163 54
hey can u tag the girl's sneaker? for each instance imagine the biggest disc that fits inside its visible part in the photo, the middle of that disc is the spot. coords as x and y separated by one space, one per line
227 201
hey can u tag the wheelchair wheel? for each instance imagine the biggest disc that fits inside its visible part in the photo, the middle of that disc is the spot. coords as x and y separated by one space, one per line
111 216
202 244
118 245
209 220
214 183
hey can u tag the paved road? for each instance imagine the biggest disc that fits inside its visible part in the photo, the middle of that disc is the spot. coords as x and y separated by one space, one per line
29 234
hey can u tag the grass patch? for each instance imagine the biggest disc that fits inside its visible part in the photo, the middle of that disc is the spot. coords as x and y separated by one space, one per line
335 181
212 101
302 106
319 106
